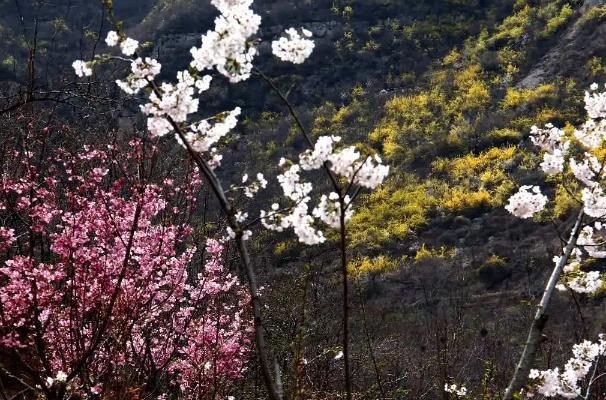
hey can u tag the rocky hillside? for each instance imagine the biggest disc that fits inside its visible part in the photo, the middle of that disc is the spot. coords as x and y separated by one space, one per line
447 90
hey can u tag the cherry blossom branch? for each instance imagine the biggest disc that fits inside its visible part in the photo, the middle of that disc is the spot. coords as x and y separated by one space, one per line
593 379
225 205
540 318
342 194
295 116
529 200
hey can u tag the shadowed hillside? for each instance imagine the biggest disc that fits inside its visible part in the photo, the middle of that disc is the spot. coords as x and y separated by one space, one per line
444 281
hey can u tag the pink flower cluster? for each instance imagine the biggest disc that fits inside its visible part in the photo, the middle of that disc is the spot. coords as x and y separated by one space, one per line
96 281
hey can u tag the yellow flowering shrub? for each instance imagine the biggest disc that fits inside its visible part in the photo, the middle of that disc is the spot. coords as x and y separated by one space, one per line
367 265
476 181
393 211
515 98
442 252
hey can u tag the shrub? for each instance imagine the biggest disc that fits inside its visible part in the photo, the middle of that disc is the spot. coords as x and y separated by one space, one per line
367 265
392 212
515 98
440 253
97 291
494 271
557 21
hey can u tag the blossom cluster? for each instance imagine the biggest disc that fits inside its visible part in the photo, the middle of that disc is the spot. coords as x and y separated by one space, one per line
556 147
229 49
459 391
295 48
526 202
191 327
567 383
344 163
551 141
575 278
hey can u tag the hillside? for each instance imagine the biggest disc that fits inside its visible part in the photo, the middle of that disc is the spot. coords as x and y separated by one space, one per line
444 279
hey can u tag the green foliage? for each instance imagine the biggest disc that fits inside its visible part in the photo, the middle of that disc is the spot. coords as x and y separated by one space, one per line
471 94
564 200
409 121
595 66
59 24
504 135
514 26
594 15
476 181
557 21
428 123
463 125
9 61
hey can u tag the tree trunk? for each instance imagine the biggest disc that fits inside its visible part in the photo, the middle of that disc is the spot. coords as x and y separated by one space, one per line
540 319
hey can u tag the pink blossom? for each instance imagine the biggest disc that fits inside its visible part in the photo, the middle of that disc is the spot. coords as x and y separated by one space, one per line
89 240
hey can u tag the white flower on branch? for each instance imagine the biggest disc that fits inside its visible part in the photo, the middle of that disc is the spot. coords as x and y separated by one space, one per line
294 48
206 133
552 382
594 202
592 133
548 139
254 187
329 210
585 282
227 48
129 46
526 202
586 171
459 391
112 38
82 68
553 163
595 104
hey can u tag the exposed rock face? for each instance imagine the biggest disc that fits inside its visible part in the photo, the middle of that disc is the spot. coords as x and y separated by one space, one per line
578 43
176 44
587 4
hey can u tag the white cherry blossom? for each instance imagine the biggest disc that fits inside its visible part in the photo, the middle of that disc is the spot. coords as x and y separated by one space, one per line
459 391
129 46
567 384
329 210
586 171
112 38
294 47
595 104
228 48
594 202
82 68
526 202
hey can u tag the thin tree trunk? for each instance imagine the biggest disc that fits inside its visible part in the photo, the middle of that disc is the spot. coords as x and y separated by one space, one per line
369 342
270 383
540 319
217 188
348 386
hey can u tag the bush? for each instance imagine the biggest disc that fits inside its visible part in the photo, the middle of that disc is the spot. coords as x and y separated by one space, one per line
494 271
557 21
515 98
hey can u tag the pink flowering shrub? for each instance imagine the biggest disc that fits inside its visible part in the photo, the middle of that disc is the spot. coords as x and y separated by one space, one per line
97 290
